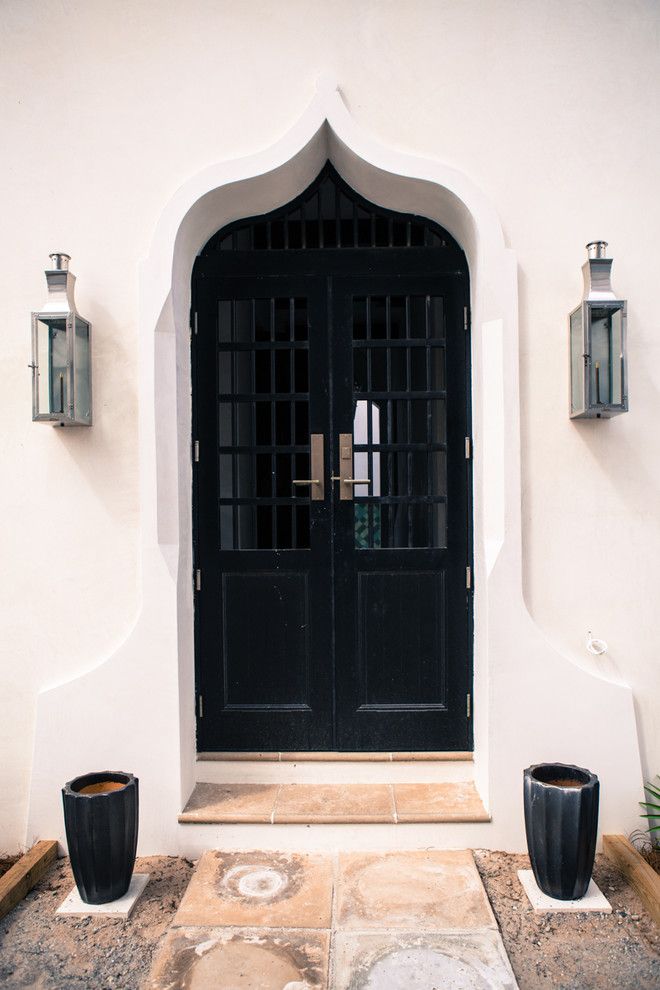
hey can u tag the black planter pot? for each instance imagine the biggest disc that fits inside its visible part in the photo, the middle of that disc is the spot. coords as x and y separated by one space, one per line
561 821
101 820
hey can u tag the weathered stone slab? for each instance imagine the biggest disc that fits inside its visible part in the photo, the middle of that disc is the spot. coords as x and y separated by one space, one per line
259 889
436 891
420 961
249 959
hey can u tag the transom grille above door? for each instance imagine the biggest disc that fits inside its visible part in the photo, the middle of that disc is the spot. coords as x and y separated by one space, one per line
329 215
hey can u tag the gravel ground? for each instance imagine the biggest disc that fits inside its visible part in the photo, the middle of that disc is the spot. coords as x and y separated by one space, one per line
46 952
619 951
39 950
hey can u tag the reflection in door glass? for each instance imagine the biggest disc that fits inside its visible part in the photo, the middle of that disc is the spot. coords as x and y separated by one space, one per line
366 432
399 422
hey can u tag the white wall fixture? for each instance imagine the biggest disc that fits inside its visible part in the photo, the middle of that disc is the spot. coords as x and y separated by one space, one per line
596 646
599 386
61 365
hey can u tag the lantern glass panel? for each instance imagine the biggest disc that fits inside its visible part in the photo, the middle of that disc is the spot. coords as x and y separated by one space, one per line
617 357
577 362
82 370
606 356
601 357
52 354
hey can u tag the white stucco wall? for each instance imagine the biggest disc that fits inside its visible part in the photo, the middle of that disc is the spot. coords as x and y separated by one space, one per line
108 110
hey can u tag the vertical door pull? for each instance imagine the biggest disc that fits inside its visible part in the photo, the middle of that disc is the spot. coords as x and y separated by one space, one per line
317 481
345 468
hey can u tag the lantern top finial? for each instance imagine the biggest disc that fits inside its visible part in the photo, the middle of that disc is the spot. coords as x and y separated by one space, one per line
597 249
60 261
597 273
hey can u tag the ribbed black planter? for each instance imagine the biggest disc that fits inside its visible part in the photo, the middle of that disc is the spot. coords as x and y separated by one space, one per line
101 820
561 821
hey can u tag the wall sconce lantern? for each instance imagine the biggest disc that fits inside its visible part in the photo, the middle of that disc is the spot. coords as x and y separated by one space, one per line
61 359
599 379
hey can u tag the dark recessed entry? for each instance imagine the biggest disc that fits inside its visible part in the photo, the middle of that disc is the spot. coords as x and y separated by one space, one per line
331 483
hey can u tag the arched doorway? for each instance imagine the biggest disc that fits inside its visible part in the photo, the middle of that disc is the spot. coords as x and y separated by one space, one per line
332 518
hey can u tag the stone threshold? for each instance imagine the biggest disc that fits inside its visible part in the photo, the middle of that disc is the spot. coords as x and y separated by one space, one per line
323 804
338 757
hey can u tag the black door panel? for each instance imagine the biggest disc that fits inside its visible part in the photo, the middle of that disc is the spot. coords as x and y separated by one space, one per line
333 616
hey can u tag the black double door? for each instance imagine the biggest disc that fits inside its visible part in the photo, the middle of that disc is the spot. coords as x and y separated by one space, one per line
332 513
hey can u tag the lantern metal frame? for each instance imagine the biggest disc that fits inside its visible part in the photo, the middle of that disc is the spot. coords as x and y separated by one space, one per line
60 307
598 302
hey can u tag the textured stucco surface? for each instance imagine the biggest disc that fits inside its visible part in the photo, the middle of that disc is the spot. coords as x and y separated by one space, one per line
107 110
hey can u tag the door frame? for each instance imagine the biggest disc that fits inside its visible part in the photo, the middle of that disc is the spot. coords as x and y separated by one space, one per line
354 268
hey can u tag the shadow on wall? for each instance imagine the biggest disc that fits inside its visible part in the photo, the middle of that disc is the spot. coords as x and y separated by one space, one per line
106 454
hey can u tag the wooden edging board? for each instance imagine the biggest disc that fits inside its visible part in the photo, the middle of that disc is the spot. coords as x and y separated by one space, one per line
22 876
642 876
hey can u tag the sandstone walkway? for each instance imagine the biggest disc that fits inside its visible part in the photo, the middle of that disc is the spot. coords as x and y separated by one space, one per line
358 921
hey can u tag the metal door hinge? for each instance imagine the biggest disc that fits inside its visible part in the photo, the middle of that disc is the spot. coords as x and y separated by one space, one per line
469 705
468 448
200 705
196 451
468 577
198 580
466 322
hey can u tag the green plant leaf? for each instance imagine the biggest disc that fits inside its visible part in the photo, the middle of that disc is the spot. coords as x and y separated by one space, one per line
647 804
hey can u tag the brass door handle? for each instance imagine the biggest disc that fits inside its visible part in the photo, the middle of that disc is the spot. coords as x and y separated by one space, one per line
351 481
316 467
345 465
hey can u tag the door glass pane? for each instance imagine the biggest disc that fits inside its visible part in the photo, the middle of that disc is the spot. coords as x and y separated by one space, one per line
399 422
263 430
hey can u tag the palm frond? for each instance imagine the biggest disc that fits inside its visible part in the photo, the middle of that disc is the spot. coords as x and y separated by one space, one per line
653 812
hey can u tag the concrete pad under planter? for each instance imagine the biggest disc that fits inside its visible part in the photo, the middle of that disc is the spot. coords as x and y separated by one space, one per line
259 890
227 958
420 960
593 900
121 908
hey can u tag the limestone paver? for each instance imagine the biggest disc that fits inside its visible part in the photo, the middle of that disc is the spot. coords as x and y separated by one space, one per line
380 921
327 803
259 889
414 961
429 890
241 959
230 803
443 802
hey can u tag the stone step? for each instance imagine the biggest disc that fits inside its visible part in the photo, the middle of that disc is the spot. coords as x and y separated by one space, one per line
334 804
309 756
332 768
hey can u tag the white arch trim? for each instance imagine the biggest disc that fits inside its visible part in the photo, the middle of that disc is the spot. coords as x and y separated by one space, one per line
135 709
